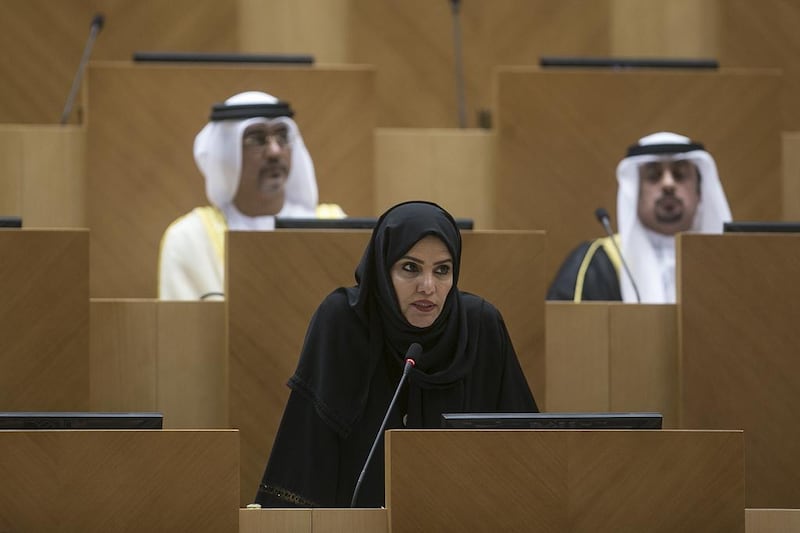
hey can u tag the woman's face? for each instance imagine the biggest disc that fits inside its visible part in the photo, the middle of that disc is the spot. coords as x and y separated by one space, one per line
422 278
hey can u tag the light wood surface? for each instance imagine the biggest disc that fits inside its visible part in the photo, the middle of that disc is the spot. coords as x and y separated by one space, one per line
565 481
141 172
170 357
43 175
44 333
277 280
146 480
451 167
603 357
790 150
313 520
739 365
562 133
772 520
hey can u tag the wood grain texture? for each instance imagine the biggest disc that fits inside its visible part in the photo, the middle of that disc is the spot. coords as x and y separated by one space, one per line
411 44
170 357
43 41
141 172
277 280
771 520
565 481
453 168
739 338
612 357
790 150
43 174
119 480
561 135
44 320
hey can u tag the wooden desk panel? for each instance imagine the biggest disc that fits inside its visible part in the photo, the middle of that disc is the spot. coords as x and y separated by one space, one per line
146 480
141 172
612 357
171 357
44 320
277 280
738 299
561 134
593 481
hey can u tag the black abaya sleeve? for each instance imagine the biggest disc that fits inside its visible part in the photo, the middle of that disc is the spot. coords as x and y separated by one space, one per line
303 467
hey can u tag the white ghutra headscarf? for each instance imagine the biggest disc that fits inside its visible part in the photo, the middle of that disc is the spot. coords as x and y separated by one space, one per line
218 154
648 254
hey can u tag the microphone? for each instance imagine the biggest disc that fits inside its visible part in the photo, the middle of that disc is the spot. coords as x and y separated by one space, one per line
462 111
603 218
94 29
412 354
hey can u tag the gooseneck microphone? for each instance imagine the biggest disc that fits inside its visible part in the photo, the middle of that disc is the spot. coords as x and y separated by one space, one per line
460 100
94 29
603 218
412 354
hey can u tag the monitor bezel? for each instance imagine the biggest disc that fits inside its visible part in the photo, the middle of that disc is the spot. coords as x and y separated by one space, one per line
564 420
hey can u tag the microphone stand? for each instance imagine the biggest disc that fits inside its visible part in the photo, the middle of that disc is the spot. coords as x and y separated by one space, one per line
460 100
97 25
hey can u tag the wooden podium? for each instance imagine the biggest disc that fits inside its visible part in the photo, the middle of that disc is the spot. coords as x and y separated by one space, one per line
276 280
149 480
565 481
738 297
543 481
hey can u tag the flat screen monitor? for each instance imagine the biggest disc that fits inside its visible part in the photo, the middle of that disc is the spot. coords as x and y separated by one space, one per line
12 221
552 420
79 420
207 57
743 226
627 63
346 223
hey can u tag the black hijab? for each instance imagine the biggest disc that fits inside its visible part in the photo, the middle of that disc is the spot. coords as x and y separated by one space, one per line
329 378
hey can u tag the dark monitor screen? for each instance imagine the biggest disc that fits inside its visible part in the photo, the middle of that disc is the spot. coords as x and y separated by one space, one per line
622 63
346 223
204 57
761 227
79 420
552 420
7 221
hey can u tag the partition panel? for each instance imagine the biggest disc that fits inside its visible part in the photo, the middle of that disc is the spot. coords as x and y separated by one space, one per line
738 299
44 320
277 279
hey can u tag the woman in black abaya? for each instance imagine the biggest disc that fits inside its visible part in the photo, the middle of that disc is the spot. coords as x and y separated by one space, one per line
353 356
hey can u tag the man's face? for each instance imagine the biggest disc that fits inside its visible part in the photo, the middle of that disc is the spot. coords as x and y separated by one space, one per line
266 161
669 192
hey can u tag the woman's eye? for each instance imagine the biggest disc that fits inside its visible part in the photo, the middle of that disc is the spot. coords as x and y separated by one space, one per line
410 267
443 270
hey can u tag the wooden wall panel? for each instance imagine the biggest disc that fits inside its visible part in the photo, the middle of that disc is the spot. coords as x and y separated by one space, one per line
43 174
44 320
277 280
764 34
411 44
739 366
141 172
451 167
42 43
561 135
